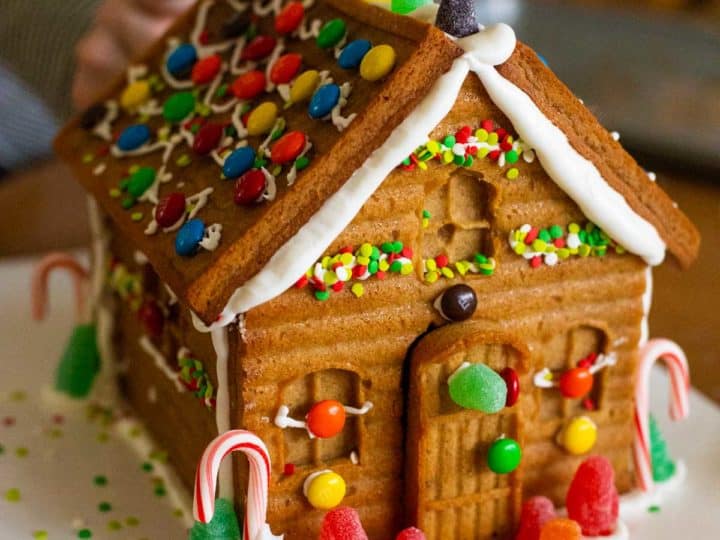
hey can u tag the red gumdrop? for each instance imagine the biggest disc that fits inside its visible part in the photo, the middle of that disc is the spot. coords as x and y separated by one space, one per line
206 69
411 533
592 499
248 85
170 209
249 187
576 382
512 382
260 47
285 68
536 511
207 138
342 524
287 147
289 18
152 318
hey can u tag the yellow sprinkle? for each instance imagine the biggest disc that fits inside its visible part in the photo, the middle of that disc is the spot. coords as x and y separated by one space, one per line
330 278
512 174
366 250
425 223
431 265
447 156
383 265
482 153
346 259
431 277
358 289
423 166
492 139
406 269
433 146
363 260
481 135
447 272
326 261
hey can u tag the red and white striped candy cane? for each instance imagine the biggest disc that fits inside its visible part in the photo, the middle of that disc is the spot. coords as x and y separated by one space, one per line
254 448
42 271
674 357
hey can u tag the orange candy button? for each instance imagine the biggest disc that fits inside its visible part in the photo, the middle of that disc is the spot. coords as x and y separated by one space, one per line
326 419
561 529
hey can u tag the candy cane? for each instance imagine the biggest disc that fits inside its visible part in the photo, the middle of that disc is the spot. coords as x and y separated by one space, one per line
258 482
40 277
674 357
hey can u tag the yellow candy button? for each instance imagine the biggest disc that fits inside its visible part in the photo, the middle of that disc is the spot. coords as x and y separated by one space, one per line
377 63
304 86
324 490
579 435
262 119
135 94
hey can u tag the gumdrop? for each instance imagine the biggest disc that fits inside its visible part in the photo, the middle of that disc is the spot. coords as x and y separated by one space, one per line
342 524
457 17
592 499
223 525
561 529
476 386
411 533
536 511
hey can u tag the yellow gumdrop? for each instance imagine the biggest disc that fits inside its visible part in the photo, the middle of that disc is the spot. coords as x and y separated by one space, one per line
325 490
304 86
262 118
135 94
579 435
377 63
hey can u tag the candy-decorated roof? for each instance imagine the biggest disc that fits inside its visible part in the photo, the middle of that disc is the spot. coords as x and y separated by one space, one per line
245 140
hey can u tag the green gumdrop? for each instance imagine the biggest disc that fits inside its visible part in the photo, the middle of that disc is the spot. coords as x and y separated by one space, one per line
140 181
403 7
478 387
223 525
79 363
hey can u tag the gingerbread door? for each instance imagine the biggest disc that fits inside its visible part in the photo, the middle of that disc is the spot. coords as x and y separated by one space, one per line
450 490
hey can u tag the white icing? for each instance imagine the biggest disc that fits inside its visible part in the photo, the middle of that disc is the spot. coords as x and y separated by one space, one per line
647 304
139 257
99 169
211 239
219 338
104 128
161 362
193 204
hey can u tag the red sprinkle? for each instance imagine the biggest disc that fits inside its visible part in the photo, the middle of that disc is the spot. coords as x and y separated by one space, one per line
204 37
170 209
288 147
532 235
463 134
512 381
249 85
285 68
302 282
289 18
9 421
588 404
289 469
442 261
338 286
380 274
536 261
559 242
152 318
488 125
346 249
407 252
494 155
206 69
260 47
501 133
359 271
207 139
505 146
249 187
58 419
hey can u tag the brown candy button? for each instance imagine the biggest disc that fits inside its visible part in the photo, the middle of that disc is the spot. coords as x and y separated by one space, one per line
458 303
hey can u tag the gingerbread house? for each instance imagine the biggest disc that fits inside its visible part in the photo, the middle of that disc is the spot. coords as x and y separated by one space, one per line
286 196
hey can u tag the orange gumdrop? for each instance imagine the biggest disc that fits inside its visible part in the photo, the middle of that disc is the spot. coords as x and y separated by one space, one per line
326 419
561 529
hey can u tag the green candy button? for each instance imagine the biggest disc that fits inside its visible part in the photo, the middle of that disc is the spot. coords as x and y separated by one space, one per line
331 33
504 456
178 106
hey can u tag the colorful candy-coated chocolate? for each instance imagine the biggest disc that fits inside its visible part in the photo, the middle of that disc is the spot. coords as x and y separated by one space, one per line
133 137
249 85
458 303
262 118
411 533
204 71
152 318
331 33
178 107
512 382
403 7
304 86
92 116
236 26
239 162
324 100
477 387
181 60
288 147
289 18
342 524
170 209
140 181
536 511
504 456
561 529
135 94
353 53
260 47
249 187
326 490
377 63
189 236
592 499
326 419
579 436
207 138
576 382
285 68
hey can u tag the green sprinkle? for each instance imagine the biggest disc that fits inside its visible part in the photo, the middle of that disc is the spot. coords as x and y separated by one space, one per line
2 449
104 506
127 202
114 525
322 295
183 161
87 158
386 247
301 163
147 466
12 495
178 513
100 480
160 491
221 91
654 509
396 266
556 231
84 533
397 246
18 395
468 161
426 214
511 156
449 141
103 437
459 160
21 452
136 216
132 521
544 235
40 535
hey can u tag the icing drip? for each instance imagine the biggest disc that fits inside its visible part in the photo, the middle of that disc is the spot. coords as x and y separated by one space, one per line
338 120
194 203
211 240
104 128
199 28
161 362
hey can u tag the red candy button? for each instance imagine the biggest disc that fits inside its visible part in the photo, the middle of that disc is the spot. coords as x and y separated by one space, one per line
289 18
170 209
576 382
249 187
287 147
152 318
326 419
207 138
512 382
258 48
206 69
249 85
285 68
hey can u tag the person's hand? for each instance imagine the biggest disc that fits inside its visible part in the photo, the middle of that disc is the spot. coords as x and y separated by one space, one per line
122 29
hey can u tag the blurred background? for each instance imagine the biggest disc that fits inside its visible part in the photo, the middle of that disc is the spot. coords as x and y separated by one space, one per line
649 69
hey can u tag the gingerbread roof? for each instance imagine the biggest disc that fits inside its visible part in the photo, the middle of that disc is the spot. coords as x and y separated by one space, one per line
320 160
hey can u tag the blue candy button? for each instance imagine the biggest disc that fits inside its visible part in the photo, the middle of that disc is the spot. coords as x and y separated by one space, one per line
188 237
323 100
181 60
239 162
133 137
353 53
